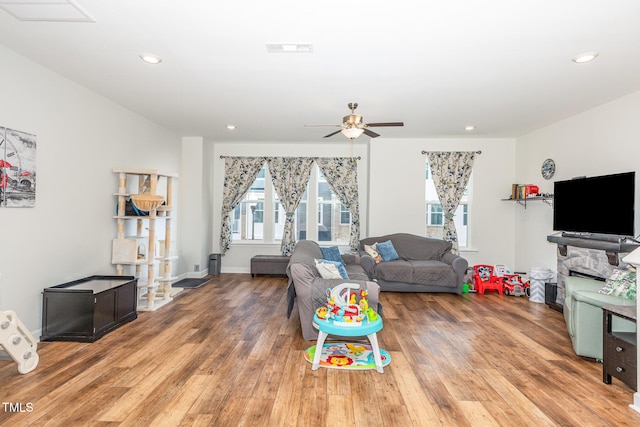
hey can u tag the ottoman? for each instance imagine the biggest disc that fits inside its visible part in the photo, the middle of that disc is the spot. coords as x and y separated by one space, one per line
269 264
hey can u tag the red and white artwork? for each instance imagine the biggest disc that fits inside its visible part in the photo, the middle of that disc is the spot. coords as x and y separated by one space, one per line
17 169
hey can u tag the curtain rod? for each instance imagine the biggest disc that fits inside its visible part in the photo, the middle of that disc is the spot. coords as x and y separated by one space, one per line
425 152
316 157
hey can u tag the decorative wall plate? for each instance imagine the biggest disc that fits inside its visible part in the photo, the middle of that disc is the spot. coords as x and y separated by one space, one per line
548 168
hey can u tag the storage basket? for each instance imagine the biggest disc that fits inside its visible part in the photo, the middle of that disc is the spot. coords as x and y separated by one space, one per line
147 202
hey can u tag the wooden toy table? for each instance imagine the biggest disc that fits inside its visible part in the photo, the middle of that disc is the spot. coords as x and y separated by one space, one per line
368 328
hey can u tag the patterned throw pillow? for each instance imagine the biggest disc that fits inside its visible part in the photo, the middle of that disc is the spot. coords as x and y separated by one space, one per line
332 253
621 283
331 269
373 251
387 251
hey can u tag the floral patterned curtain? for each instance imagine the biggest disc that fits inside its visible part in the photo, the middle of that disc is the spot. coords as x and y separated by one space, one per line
451 171
290 176
342 176
239 175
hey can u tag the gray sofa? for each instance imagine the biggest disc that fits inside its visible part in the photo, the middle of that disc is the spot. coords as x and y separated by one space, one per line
424 265
308 288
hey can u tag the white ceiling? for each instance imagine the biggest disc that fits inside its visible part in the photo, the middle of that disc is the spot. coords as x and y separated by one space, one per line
502 65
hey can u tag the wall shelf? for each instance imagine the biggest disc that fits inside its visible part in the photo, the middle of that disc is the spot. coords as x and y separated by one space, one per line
523 202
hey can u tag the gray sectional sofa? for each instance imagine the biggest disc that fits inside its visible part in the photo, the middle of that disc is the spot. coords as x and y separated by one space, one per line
423 265
308 288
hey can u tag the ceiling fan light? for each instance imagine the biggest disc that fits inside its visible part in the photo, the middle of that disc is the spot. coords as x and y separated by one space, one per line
352 133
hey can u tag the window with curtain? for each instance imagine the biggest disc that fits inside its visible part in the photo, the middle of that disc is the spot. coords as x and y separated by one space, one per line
320 216
248 215
435 216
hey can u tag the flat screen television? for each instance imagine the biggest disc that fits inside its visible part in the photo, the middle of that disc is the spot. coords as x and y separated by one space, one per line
596 205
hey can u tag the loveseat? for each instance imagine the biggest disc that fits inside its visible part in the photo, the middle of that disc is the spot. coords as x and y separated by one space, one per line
416 264
308 288
583 315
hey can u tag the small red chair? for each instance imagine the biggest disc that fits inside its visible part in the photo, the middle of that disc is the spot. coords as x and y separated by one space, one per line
484 279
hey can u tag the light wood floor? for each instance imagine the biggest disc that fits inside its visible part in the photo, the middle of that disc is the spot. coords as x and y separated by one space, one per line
226 355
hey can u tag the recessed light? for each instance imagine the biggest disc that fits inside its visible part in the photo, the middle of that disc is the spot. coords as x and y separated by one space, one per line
585 57
469 128
150 58
231 127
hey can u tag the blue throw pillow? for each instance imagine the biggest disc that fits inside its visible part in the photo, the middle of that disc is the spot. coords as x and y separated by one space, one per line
332 253
387 251
339 265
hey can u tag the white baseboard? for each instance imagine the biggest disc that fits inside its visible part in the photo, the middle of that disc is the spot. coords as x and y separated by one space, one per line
236 270
194 275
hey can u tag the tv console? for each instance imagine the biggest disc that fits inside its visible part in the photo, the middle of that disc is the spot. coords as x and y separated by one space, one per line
619 358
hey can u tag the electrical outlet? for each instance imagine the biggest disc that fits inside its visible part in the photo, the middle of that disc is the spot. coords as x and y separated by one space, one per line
196 267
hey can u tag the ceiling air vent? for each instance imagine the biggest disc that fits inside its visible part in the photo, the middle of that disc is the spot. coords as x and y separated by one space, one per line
289 48
46 10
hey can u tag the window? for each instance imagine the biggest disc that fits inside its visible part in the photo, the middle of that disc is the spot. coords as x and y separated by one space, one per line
320 212
235 225
320 215
345 215
248 216
301 216
257 211
258 184
435 214
465 215
328 225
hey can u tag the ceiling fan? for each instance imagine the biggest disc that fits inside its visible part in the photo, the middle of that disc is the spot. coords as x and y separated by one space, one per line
352 125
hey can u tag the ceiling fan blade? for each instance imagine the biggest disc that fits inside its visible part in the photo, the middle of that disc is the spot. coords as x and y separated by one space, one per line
385 124
311 126
332 133
371 134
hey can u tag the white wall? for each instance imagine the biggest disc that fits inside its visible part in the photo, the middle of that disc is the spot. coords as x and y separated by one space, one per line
601 141
207 207
194 208
397 192
81 136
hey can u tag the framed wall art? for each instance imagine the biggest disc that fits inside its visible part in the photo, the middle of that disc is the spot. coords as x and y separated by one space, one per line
17 169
